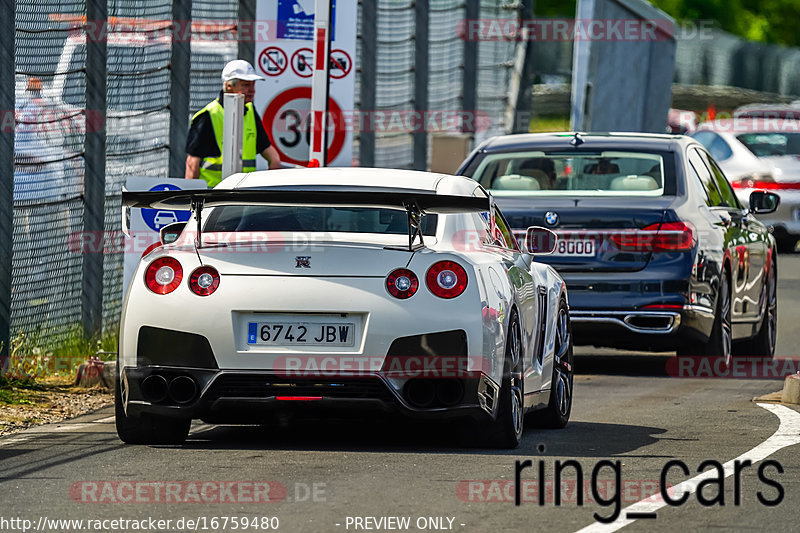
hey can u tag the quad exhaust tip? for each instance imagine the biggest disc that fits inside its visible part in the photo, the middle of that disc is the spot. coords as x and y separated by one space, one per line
181 389
425 393
154 388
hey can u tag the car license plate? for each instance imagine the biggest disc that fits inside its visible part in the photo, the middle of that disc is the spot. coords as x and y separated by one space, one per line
301 333
575 247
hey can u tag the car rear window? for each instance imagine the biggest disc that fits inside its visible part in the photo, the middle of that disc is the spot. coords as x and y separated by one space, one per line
313 219
770 144
608 173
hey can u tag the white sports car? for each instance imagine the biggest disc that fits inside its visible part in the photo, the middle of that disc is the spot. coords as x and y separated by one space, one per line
341 288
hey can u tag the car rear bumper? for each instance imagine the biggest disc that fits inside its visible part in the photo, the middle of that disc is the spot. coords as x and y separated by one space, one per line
637 329
253 396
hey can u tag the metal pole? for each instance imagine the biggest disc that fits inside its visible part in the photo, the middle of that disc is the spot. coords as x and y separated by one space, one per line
421 81
469 102
7 68
247 30
180 62
367 72
94 187
524 103
232 133
320 82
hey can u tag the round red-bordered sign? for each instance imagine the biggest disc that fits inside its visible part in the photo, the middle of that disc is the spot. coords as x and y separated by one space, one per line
303 62
341 60
270 119
272 61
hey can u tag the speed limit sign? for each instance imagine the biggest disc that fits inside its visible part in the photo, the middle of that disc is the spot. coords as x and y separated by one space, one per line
287 120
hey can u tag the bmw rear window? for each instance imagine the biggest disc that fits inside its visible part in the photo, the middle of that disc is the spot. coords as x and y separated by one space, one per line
605 173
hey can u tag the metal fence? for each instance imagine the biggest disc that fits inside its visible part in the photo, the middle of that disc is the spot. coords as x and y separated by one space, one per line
95 102
714 57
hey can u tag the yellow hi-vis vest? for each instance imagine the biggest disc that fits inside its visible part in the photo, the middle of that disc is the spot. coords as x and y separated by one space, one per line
211 167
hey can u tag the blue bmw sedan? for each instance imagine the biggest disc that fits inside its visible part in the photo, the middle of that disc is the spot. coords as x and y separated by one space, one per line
657 251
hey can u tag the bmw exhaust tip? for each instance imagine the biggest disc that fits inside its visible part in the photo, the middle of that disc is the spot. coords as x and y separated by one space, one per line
154 388
420 393
182 389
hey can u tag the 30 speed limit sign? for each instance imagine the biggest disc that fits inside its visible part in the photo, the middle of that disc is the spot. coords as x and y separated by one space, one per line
287 120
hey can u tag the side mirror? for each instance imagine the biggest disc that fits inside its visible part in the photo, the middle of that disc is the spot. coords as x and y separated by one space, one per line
539 240
763 202
170 233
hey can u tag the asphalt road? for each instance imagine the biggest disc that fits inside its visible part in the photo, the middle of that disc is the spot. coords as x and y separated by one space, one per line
333 475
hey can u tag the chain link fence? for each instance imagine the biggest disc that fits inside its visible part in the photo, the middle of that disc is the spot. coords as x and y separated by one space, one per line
52 123
714 57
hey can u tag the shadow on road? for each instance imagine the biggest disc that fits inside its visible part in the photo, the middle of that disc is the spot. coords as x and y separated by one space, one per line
588 439
625 364
397 435
606 361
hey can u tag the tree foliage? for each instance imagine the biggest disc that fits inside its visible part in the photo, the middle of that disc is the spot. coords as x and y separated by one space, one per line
768 21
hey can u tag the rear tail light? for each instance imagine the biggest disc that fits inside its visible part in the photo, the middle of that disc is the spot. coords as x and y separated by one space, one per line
662 307
666 237
163 275
402 283
204 280
446 279
673 236
764 182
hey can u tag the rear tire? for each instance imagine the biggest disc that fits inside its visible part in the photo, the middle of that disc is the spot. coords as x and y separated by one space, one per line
505 431
720 342
147 428
556 414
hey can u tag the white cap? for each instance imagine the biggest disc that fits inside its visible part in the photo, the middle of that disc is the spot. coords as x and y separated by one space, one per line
239 69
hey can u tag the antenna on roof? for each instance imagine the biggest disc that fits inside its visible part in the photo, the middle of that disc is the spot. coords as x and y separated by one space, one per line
576 140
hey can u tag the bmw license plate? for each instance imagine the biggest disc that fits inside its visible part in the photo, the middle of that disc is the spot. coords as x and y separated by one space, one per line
301 333
575 247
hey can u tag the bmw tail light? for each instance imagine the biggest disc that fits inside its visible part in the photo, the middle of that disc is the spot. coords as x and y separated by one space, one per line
666 237
163 275
402 283
204 280
446 279
674 237
634 240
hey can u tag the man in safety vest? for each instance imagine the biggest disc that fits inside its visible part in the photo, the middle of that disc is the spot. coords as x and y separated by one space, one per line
204 142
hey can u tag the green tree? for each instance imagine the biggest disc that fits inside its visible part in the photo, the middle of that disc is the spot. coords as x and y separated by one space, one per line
768 21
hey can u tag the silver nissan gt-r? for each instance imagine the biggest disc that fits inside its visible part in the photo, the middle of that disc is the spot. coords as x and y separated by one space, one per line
368 290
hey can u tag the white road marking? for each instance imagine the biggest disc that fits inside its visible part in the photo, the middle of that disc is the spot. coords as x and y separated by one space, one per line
788 434
32 432
13 440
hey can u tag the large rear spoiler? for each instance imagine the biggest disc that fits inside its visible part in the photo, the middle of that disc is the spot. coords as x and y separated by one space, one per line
416 202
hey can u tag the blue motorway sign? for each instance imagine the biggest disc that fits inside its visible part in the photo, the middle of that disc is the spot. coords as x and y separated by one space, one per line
295 20
158 218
